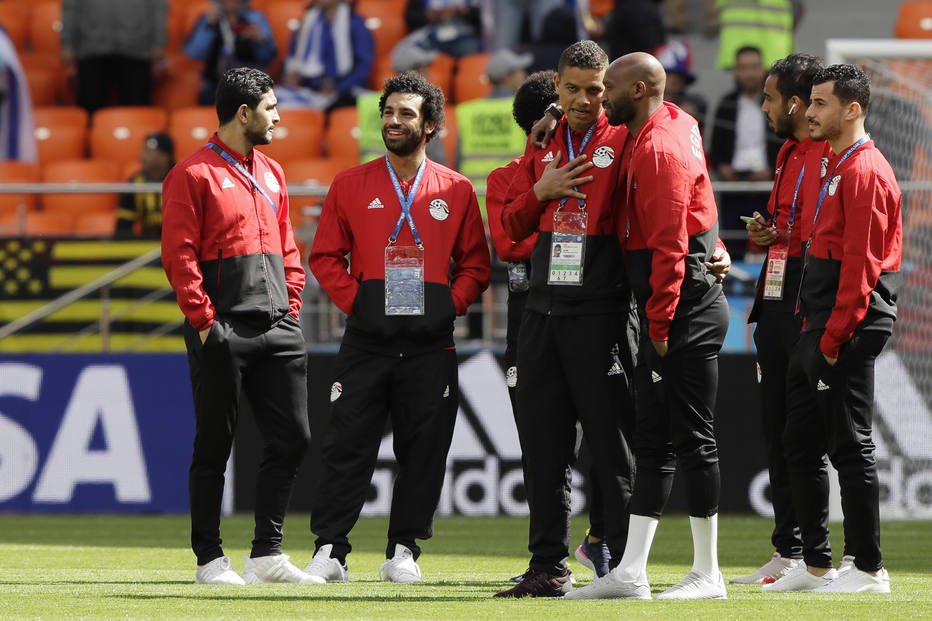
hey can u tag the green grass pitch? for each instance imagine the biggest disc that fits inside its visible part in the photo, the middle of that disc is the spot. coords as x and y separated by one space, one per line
111 567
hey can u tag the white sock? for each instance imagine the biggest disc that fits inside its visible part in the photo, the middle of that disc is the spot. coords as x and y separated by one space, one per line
705 544
633 563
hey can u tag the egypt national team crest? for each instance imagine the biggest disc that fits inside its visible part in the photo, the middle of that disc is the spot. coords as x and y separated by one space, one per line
335 391
439 209
511 377
824 170
833 185
271 182
603 156
759 374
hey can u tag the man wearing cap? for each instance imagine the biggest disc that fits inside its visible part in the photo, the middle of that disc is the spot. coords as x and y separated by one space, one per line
139 214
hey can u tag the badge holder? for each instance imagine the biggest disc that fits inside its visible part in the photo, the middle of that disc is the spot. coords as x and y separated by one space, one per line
404 280
567 248
775 275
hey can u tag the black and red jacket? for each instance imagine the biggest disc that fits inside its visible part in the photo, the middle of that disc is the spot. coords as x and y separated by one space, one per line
496 191
852 273
224 249
604 288
668 219
348 255
792 157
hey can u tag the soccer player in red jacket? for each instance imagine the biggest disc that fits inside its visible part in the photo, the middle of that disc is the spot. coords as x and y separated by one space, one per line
851 276
401 250
229 253
668 226
783 232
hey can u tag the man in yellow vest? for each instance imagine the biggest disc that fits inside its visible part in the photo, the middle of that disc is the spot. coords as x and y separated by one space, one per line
765 24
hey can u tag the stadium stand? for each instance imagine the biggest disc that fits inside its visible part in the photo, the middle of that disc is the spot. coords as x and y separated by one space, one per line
81 171
12 171
45 27
180 84
117 132
470 80
298 135
914 20
99 224
190 128
61 133
342 134
49 223
284 18
43 80
14 18
385 20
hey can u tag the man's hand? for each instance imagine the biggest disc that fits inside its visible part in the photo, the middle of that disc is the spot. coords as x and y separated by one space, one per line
557 182
542 131
831 361
203 333
759 232
720 263
660 347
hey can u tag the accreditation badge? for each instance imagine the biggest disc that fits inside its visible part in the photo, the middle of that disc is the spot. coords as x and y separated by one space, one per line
567 248
404 280
775 275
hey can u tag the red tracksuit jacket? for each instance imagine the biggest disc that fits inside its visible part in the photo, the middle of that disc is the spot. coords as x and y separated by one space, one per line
496 190
670 217
852 273
357 219
224 249
604 288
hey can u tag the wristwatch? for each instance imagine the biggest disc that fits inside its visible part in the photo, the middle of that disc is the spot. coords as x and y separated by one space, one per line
554 110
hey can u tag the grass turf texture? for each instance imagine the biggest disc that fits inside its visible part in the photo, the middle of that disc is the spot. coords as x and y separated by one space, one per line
103 567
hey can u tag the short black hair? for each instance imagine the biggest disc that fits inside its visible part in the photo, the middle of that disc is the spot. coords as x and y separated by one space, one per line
795 74
242 85
851 84
532 98
414 83
744 49
583 55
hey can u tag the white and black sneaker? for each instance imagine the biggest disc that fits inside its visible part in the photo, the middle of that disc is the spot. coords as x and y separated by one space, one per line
401 567
218 571
326 567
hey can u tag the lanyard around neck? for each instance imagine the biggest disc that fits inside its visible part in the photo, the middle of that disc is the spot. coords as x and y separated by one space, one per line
828 179
571 152
242 169
406 202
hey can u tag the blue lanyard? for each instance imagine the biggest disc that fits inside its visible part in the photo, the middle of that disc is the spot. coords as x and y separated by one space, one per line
571 152
406 202
246 173
828 179
792 218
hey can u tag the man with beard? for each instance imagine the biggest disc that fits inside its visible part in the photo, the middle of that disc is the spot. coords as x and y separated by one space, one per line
401 250
230 255
667 223
851 276
782 231
573 348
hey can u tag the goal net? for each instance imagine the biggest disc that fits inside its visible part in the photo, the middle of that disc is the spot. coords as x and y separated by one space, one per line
900 122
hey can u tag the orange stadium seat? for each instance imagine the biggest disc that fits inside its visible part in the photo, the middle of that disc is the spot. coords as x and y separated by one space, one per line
449 135
381 70
61 133
45 27
117 132
284 18
298 135
343 133
191 128
46 77
180 85
385 22
81 171
440 72
914 20
12 171
470 81
315 170
49 223
14 17
192 12
601 8
97 224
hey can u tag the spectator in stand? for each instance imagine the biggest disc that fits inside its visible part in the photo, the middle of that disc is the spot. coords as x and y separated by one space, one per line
677 60
635 26
329 58
504 21
767 25
229 34
109 44
17 141
743 147
448 26
140 214
558 32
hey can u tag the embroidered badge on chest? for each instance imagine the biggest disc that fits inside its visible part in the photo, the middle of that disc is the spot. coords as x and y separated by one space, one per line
439 209
271 182
833 185
335 391
603 156
824 170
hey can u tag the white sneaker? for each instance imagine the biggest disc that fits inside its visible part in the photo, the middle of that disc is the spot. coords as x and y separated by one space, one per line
325 567
275 568
613 586
799 579
218 571
401 568
773 570
856 581
847 562
697 586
